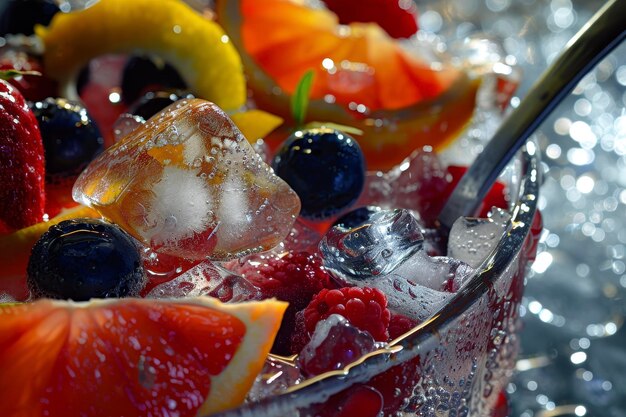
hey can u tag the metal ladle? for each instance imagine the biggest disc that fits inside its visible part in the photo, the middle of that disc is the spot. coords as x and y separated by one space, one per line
597 38
605 31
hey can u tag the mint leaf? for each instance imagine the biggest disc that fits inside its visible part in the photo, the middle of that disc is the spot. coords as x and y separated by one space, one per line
300 99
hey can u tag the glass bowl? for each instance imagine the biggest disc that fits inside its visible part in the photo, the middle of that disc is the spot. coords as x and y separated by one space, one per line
464 353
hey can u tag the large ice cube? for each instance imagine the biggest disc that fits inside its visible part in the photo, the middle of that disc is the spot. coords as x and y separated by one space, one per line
387 252
209 279
471 240
187 183
276 376
385 240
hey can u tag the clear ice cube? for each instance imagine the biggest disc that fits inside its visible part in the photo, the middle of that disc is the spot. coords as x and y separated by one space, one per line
301 238
471 240
208 279
187 183
6 298
376 247
126 124
387 252
275 377
334 344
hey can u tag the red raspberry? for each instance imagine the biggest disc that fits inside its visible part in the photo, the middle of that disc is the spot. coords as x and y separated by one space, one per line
400 324
365 308
502 406
295 278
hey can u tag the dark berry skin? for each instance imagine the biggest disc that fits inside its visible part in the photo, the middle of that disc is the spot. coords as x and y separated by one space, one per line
325 167
356 217
81 259
154 101
20 16
140 74
70 138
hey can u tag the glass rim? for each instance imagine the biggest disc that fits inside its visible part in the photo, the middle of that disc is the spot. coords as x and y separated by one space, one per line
426 335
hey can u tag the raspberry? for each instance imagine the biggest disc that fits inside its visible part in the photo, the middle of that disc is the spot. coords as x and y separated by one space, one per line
295 278
365 308
400 324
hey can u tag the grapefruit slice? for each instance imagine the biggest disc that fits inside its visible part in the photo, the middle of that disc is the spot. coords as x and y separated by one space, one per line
363 77
15 250
132 357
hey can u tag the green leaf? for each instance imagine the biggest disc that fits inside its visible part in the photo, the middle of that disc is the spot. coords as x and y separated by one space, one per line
300 99
12 73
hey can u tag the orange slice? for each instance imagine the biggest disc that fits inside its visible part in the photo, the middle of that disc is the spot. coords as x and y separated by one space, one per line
132 357
399 101
15 250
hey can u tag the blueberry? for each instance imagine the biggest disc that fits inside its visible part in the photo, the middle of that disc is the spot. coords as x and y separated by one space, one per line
154 101
141 73
70 138
20 16
325 167
356 217
81 259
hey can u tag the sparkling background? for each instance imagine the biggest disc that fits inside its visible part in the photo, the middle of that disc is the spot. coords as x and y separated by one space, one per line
574 344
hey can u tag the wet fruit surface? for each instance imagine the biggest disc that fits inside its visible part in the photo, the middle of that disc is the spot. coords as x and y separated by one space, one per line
70 138
363 78
83 259
22 171
325 167
139 356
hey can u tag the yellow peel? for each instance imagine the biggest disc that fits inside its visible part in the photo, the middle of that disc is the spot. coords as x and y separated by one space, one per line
255 124
197 47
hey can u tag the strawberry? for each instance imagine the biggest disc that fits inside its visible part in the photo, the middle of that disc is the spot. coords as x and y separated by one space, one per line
21 162
32 87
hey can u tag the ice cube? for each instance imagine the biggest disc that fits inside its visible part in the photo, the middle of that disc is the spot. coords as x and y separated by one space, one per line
334 344
262 148
187 183
275 377
387 252
125 124
471 240
209 279
376 247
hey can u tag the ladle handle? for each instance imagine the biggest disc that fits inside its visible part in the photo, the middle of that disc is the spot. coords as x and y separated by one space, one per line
604 31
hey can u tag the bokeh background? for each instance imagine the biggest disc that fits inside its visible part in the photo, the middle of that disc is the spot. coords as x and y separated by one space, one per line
574 343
